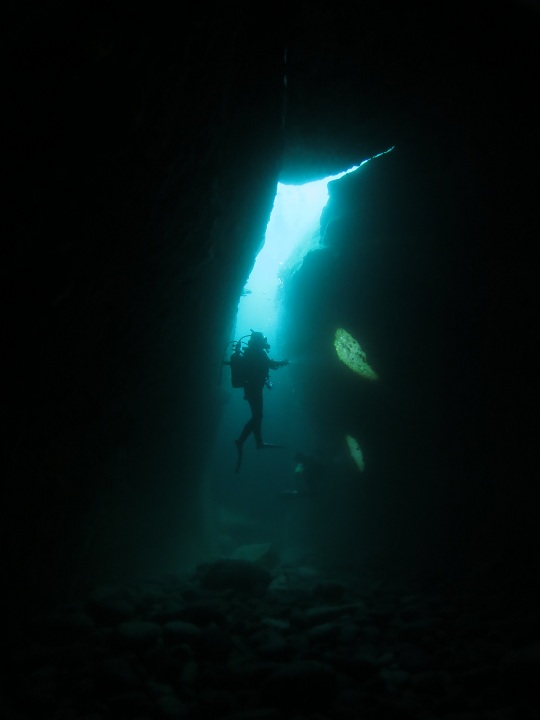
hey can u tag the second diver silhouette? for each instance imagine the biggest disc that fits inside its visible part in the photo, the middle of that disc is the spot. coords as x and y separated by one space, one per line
255 365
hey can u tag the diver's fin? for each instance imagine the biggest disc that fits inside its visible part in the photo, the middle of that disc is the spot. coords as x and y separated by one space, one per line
270 446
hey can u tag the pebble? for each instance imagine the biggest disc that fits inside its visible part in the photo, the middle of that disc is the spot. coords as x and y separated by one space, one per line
234 640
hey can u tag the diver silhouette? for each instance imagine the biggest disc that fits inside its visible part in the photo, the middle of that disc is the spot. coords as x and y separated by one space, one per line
255 368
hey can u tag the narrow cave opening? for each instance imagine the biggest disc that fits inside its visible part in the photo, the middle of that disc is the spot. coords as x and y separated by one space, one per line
293 230
248 494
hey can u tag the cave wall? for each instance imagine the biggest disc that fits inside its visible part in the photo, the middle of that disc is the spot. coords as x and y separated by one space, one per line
143 147
427 259
143 156
402 269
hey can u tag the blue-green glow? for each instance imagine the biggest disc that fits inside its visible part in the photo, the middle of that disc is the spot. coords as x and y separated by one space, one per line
293 230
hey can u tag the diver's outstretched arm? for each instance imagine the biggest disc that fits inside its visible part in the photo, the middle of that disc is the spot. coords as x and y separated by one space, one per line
275 364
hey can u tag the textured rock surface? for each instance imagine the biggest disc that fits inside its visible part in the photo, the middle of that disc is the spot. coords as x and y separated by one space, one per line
459 666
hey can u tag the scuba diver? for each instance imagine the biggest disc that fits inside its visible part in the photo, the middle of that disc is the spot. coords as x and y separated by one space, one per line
249 369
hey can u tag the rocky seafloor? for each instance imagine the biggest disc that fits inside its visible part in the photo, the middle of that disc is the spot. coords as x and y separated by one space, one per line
237 639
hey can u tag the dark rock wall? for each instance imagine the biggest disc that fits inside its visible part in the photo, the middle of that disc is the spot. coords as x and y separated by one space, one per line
401 270
143 147
143 155
428 261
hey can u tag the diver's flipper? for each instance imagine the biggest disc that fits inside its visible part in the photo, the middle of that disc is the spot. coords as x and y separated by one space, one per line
239 458
270 446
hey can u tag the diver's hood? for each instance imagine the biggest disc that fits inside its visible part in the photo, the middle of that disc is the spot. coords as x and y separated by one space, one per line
258 340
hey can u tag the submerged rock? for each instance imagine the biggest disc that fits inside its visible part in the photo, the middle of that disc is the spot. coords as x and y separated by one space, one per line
177 632
111 603
137 635
235 574
271 656
263 554
303 685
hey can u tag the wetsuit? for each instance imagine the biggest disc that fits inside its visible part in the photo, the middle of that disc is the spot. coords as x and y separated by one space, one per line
256 365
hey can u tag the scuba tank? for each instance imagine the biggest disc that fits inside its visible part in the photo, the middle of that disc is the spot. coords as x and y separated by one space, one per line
236 363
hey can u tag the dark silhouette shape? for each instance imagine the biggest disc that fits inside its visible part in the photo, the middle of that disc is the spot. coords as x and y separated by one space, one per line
255 368
309 473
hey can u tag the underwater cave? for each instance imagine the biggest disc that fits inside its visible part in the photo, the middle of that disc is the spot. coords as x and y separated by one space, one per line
379 560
